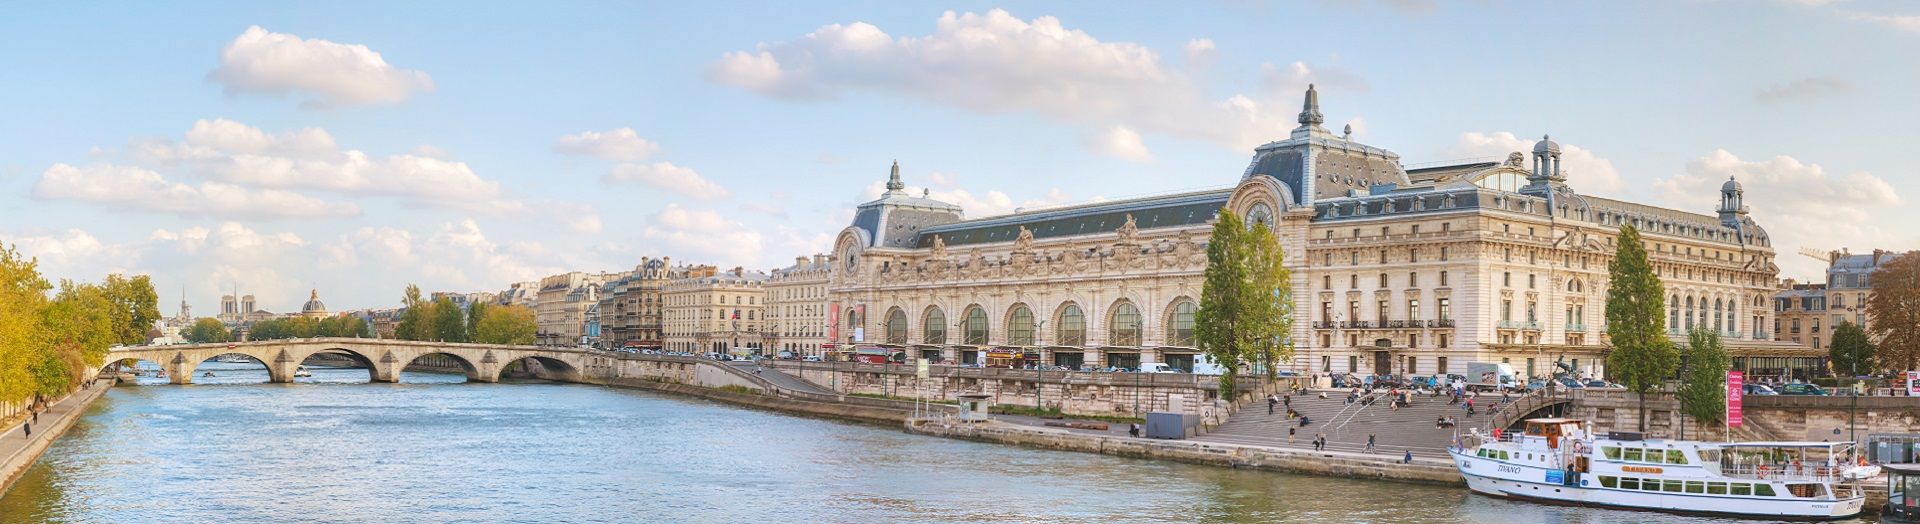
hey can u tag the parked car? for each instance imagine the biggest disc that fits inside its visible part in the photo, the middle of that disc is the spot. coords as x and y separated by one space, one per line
811 358
1570 383
1157 367
1757 389
1801 389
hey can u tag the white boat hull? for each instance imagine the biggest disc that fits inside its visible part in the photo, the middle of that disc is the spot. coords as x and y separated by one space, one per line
1506 480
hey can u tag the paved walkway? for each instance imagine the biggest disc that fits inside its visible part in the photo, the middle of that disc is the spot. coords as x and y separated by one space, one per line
780 379
18 451
1395 431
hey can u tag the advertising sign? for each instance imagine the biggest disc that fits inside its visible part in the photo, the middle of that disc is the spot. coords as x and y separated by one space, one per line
833 321
920 368
1736 384
1913 383
860 322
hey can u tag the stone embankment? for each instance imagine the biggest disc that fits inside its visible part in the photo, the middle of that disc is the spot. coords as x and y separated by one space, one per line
18 452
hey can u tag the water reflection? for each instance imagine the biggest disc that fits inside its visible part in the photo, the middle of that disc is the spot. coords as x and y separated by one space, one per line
336 449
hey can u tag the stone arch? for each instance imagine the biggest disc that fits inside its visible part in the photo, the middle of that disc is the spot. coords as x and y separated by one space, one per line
933 326
1126 326
468 368
380 364
1177 321
896 325
540 366
191 368
974 330
1067 317
1020 325
155 360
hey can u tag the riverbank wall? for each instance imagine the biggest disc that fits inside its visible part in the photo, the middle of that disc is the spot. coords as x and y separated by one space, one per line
18 452
1333 464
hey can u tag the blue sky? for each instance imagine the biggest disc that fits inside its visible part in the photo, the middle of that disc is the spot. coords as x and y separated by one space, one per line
466 146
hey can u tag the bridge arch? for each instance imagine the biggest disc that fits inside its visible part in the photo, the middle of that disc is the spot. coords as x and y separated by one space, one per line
540 366
191 367
377 371
467 367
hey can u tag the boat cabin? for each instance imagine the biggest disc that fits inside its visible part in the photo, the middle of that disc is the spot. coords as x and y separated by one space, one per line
1903 493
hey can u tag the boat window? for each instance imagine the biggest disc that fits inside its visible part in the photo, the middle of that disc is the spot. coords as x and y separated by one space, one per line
1612 452
1653 456
1675 486
1626 483
1633 454
1649 484
1805 491
1742 489
1764 490
1695 486
1709 455
1503 455
1611 482
1716 488
1675 456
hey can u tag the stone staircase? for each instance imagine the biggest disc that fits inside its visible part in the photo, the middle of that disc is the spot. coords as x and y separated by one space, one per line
1347 425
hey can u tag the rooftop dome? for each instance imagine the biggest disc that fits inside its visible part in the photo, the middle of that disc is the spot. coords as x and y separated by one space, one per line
1731 185
313 304
1546 145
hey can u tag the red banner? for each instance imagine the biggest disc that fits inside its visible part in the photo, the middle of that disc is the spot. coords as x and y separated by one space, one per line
833 321
1735 386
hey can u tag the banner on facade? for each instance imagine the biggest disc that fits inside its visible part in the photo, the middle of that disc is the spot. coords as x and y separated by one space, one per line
1913 383
920 368
859 322
1736 385
833 321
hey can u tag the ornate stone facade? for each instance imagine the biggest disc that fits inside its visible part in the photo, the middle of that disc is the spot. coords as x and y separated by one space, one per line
1394 271
715 312
797 306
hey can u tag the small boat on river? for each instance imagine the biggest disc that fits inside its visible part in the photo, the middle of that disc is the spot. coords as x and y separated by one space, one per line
302 372
1560 461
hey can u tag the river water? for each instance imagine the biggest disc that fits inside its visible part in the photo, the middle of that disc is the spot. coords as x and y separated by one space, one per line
333 448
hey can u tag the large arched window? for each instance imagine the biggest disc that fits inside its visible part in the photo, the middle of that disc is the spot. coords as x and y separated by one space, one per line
975 329
1673 312
1719 316
934 330
1124 327
1072 326
896 326
1020 326
1180 324
1689 313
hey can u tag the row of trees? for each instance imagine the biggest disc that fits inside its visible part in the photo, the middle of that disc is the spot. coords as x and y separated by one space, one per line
1245 314
48 344
445 321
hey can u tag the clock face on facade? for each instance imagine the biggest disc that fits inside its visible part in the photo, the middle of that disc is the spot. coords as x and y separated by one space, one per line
1260 214
851 256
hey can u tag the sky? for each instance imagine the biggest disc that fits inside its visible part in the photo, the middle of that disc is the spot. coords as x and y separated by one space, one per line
356 147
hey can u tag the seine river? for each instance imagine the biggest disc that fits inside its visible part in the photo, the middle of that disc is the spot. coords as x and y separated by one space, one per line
430 449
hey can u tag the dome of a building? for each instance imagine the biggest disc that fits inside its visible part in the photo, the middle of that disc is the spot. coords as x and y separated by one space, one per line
313 304
1731 185
1546 145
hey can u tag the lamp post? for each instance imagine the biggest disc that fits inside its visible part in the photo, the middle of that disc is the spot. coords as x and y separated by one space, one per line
1041 327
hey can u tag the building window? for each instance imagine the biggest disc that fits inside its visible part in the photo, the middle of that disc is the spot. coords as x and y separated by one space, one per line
1385 309
1413 279
1506 310
1353 310
1383 281
1413 309
897 327
1443 279
1530 280
1443 345
1413 254
1326 311
1326 363
1125 325
1326 281
1353 364
975 326
1181 331
1353 281
1445 310
1073 326
1443 253
1506 279
1020 327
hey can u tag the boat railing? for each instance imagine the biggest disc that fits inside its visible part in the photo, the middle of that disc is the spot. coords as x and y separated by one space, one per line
1786 472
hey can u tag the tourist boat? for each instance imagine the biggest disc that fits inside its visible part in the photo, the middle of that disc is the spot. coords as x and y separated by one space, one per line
302 372
233 358
1560 461
1903 494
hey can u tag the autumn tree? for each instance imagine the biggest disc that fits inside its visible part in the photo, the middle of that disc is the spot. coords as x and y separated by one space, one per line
1851 352
1894 311
206 330
505 325
1642 356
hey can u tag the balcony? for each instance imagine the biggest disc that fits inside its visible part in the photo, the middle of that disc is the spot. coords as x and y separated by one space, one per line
1517 324
1576 328
1443 323
1357 324
1323 324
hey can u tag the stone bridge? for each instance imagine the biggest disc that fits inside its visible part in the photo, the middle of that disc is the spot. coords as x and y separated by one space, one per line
383 358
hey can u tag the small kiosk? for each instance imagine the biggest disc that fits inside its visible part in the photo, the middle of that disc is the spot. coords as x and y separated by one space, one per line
976 407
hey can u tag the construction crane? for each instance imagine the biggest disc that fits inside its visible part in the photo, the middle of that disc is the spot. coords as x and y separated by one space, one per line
1816 254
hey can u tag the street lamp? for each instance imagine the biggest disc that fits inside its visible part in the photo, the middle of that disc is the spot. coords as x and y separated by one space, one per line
1041 327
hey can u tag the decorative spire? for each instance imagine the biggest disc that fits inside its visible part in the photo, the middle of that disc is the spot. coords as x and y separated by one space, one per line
1310 111
893 180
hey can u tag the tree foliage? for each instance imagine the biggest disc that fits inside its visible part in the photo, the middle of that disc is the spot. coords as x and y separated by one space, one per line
449 324
1268 319
304 327
1642 356
1894 311
1245 312
1703 384
206 330
416 322
49 344
505 325
1851 351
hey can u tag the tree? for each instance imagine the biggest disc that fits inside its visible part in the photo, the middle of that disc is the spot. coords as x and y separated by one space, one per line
1894 311
475 312
416 322
1217 328
505 325
1851 352
22 295
1703 384
135 306
1642 356
1267 318
206 330
448 323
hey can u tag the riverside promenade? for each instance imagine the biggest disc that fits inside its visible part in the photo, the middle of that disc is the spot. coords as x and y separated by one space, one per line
18 451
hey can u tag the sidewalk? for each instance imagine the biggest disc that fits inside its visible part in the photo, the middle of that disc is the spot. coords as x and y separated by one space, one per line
17 452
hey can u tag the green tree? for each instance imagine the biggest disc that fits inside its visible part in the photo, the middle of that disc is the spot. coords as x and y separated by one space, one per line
1894 311
1851 351
449 325
1217 323
475 312
206 330
1642 356
135 307
505 325
416 321
23 344
1267 317
1703 382
353 327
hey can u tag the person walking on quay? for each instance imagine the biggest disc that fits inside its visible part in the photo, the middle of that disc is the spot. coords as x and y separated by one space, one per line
1408 459
1369 443
1270 403
1288 401
29 428
1290 431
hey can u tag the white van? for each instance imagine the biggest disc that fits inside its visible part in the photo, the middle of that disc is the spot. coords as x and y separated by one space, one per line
1157 367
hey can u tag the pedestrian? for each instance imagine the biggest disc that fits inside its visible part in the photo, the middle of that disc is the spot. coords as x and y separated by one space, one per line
1270 404
1133 430
29 427
1290 435
1369 443
1288 400
1408 459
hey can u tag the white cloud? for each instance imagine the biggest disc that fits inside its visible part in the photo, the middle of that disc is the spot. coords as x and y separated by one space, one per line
1809 87
1586 172
1122 143
1200 52
135 188
998 63
1901 22
76 254
264 62
704 234
991 203
665 175
1799 204
623 145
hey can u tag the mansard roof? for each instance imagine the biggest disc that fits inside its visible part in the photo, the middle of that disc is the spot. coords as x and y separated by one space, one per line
1181 209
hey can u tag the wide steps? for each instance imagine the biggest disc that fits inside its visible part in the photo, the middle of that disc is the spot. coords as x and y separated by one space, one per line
1347 426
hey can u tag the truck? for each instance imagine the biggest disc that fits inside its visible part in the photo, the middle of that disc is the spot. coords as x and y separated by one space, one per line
1491 376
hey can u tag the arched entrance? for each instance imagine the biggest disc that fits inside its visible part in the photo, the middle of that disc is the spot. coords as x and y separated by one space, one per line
1383 357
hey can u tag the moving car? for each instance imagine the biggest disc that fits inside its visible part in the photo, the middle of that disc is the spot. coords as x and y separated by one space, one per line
1801 389
1757 389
